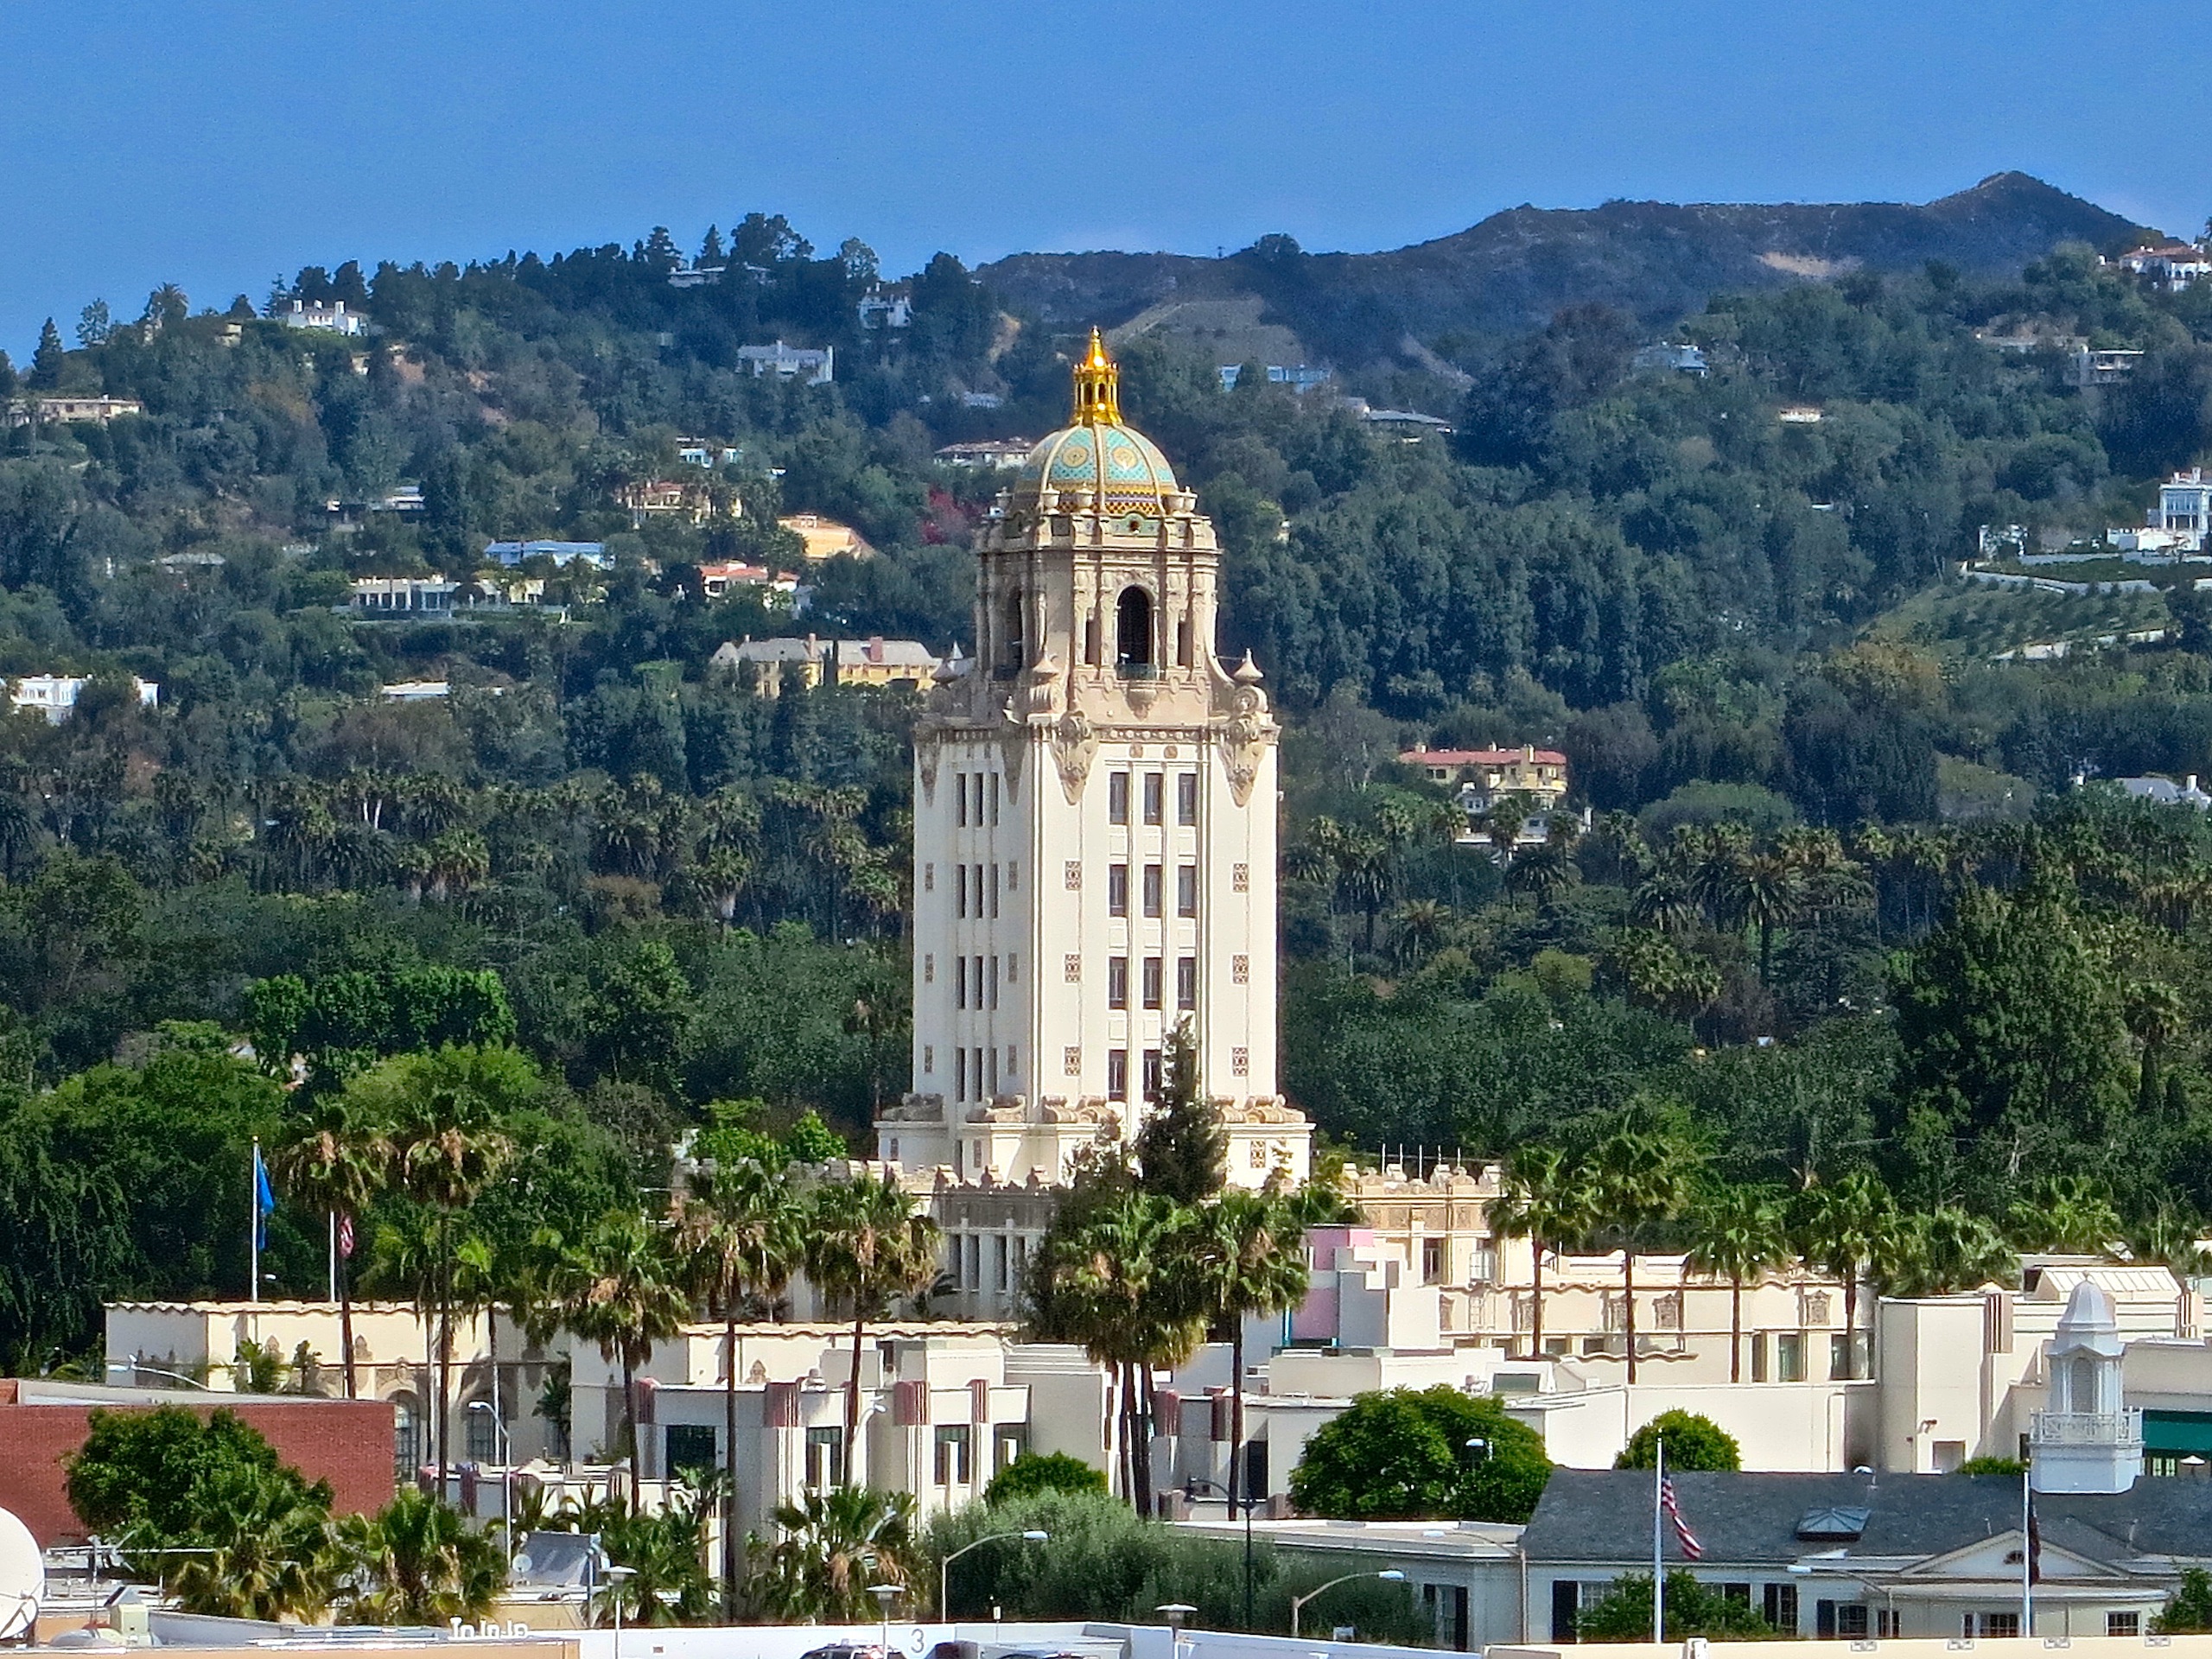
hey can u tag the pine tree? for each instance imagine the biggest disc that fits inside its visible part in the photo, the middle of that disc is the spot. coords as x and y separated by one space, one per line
1182 1150
46 362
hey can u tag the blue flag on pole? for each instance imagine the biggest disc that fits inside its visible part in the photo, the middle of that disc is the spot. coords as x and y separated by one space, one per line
265 1201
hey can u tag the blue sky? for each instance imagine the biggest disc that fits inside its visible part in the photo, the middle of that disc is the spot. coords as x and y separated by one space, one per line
217 143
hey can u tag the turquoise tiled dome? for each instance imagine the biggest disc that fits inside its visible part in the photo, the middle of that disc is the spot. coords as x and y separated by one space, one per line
1135 476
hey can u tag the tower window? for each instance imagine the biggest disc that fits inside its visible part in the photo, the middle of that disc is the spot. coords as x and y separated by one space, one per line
1186 890
1133 632
1117 798
1117 1073
1117 981
993 787
1012 656
962 908
1183 643
1090 641
1186 982
994 981
1152 1074
1186 797
1152 982
994 892
960 976
960 798
1155 797
1153 884
1117 889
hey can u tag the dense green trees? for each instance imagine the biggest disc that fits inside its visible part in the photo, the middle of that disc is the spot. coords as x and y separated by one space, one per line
1412 1454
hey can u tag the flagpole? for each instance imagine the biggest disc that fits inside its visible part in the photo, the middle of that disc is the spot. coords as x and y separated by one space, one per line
1658 1572
333 1255
253 1224
2027 1557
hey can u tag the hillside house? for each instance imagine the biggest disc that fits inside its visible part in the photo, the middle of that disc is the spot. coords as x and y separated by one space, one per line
403 595
326 316
63 410
825 539
2172 266
54 696
810 367
1485 775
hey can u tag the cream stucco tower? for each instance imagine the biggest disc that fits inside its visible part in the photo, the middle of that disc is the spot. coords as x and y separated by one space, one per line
1094 831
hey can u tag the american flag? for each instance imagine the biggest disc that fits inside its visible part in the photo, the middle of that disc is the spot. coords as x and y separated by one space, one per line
346 1236
1692 1550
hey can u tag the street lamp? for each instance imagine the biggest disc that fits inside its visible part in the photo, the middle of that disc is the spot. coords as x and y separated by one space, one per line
1389 1576
1191 1485
943 1607
885 1594
506 1464
616 1576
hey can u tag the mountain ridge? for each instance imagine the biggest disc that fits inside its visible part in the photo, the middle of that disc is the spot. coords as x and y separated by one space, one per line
1511 271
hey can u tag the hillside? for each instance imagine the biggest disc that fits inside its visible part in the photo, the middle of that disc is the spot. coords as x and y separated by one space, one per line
1652 260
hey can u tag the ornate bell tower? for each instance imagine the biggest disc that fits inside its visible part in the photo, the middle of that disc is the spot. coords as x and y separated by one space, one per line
1094 830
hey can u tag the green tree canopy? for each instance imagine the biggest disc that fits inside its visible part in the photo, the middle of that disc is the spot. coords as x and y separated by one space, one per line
1403 1454
1692 1442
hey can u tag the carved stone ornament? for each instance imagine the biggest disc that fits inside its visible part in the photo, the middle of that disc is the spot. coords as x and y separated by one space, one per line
1245 738
1014 747
1074 743
928 749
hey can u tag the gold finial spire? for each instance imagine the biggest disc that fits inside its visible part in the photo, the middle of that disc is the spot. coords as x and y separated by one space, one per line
1097 387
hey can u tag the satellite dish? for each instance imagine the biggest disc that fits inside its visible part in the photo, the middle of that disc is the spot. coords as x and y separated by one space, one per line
22 1578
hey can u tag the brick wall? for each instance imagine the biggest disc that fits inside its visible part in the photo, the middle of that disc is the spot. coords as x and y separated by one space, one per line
345 1442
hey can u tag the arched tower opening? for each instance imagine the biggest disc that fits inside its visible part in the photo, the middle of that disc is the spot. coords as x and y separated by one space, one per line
1133 632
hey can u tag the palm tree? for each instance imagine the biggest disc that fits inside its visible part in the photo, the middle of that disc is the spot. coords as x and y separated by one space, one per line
2072 1213
447 1146
1638 1180
1663 901
1839 1229
1544 1199
259 1547
1251 1247
417 1562
407 1258
1421 929
1123 1283
835 1544
868 1245
1736 1234
742 1231
621 1288
1942 1252
1769 894
2153 1012
1501 825
338 1162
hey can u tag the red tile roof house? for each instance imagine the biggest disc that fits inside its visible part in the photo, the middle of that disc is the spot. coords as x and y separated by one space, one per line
42 1422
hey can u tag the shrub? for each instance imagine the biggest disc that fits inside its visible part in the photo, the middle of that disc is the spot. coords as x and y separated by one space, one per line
1692 1442
1043 1471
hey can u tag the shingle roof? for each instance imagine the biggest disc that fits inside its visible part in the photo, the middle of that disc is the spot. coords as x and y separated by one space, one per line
1605 1515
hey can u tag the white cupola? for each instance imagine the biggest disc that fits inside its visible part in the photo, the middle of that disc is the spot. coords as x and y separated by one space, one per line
2087 1440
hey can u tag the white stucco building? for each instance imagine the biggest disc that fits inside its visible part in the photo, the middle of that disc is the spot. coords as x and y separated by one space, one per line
1094 832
